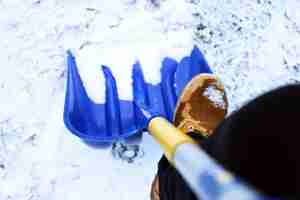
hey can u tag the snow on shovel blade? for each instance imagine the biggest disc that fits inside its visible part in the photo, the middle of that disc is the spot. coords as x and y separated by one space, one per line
116 118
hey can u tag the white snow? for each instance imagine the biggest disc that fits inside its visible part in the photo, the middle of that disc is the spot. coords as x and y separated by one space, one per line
252 46
215 96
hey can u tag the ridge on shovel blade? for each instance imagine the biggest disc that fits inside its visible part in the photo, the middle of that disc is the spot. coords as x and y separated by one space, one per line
116 118
189 67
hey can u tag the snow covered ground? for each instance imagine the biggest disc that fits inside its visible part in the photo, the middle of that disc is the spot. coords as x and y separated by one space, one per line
252 46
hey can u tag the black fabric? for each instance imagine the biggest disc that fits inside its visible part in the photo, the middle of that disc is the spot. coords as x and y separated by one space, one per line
171 184
260 143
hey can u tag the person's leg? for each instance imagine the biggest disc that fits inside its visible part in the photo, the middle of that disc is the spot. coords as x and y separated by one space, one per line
171 184
259 142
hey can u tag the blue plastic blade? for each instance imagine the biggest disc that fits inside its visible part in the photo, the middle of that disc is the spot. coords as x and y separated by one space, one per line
116 119
140 94
112 104
189 67
167 85
81 116
198 62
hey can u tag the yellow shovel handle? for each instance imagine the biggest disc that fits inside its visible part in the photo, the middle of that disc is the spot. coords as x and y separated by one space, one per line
168 136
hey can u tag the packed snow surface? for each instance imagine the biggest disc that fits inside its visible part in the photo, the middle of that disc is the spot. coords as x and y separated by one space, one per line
252 46
215 96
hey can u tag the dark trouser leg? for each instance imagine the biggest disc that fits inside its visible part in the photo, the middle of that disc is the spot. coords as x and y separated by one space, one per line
259 142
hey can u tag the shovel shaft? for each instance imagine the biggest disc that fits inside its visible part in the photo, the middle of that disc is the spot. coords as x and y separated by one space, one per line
168 136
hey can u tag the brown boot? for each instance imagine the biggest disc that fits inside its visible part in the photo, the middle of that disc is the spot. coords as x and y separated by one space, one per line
201 106
155 189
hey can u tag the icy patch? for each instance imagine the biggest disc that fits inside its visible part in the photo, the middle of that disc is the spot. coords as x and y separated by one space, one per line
216 96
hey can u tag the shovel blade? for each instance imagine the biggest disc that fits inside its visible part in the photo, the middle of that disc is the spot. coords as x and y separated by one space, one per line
116 118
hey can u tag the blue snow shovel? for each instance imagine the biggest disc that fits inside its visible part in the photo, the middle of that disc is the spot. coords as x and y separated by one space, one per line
152 109
116 119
